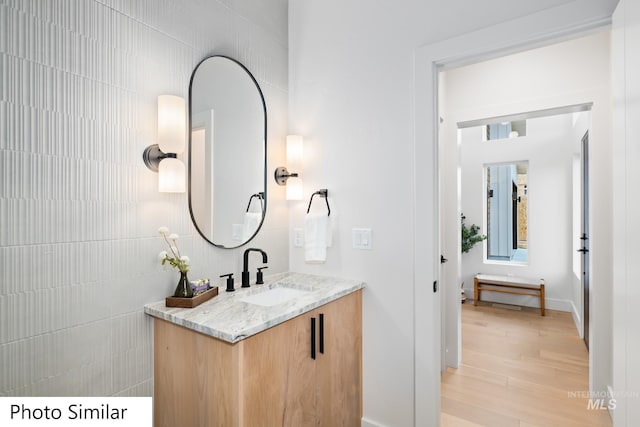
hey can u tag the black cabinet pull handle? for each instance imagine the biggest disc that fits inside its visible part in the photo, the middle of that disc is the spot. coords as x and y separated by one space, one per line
313 338
321 333
583 250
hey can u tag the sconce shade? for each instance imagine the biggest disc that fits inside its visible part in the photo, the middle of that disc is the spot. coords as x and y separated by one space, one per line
294 153
294 188
172 123
171 176
294 163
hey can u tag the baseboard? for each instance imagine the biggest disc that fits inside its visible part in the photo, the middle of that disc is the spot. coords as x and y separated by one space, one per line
525 301
368 423
558 304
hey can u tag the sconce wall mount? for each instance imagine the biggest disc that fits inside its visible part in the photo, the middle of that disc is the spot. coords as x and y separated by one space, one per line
152 156
294 161
281 175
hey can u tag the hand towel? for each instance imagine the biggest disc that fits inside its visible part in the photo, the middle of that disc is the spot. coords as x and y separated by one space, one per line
317 237
250 225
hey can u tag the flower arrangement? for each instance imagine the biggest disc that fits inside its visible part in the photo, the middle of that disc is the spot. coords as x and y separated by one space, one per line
177 261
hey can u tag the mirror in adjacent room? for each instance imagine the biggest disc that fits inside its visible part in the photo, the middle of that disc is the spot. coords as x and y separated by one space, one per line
227 152
507 205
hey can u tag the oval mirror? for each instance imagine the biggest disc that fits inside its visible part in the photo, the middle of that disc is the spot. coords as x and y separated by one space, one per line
227 152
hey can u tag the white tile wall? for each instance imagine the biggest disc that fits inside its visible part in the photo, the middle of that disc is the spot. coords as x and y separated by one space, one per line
78 209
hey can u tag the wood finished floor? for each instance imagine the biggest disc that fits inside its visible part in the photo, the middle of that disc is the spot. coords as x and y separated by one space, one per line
517 371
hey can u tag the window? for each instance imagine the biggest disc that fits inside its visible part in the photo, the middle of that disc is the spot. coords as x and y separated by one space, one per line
504 130
506 212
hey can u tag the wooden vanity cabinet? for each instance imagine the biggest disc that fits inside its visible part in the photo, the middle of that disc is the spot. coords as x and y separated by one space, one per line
269 379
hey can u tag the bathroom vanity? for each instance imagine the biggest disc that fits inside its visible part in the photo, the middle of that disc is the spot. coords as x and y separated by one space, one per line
286 353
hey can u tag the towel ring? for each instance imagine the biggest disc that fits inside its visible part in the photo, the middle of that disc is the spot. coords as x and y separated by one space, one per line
322 193
260 197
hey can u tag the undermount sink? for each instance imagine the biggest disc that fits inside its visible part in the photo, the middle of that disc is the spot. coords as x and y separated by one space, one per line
274 296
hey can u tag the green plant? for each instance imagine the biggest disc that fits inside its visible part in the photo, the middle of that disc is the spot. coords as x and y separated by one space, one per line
470 235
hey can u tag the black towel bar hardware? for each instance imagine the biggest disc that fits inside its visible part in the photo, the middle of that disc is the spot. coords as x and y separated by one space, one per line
260 197
322 193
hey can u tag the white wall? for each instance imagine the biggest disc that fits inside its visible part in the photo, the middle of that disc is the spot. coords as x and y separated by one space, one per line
574 72
356 97
548 149
626 297
79 211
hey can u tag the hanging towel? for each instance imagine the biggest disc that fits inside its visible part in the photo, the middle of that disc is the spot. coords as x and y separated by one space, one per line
250 225
317 237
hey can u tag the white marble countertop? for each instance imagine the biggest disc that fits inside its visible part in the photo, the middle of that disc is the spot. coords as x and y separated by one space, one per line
228 318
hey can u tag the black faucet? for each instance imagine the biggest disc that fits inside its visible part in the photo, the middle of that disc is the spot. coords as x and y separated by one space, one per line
245 265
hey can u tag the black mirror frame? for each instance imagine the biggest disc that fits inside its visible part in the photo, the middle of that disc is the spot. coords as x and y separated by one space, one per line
264 110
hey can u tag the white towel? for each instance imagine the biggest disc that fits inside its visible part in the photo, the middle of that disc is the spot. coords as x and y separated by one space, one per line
250 225
317 237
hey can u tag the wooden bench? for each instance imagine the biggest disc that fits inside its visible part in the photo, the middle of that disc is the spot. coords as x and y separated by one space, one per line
508 285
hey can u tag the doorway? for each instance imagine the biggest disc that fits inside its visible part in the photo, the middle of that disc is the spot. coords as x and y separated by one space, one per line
556 182
544 195
429 61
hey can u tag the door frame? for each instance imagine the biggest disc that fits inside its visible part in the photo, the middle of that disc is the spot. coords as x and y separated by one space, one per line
536 30
585 233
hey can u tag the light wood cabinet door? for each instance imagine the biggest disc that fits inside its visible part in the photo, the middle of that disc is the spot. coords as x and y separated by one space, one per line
279 384
285 386
195 379
338 366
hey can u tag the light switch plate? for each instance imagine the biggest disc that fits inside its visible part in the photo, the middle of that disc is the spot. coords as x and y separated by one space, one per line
361 238
298 238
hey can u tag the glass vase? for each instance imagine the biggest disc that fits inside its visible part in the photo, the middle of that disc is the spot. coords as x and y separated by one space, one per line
183 290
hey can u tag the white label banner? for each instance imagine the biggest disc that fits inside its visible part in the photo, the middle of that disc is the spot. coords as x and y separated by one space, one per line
76 411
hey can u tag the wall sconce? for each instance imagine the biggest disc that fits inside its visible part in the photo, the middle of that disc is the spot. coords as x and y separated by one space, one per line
162 157
294 161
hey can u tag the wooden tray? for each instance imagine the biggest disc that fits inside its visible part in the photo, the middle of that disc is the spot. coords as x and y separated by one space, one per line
191 302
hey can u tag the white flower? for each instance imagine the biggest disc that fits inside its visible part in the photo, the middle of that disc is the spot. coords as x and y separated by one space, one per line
173 256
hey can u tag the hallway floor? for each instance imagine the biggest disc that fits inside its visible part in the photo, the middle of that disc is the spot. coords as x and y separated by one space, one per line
519 369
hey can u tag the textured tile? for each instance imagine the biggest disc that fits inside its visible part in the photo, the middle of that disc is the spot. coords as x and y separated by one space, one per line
131 350
28 366
79 212
144 388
